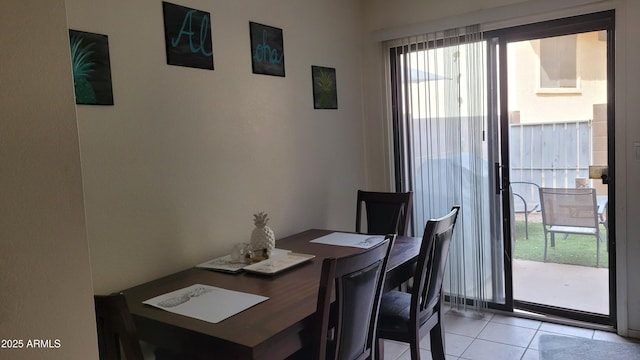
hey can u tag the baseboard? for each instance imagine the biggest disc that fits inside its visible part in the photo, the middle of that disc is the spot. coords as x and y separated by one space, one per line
633 334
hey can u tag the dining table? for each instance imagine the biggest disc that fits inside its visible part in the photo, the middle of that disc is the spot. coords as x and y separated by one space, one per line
272 329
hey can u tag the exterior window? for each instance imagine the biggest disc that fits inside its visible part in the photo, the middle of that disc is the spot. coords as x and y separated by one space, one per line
558 65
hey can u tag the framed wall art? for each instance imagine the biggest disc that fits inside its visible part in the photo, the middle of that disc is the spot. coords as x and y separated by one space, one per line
325 94
91 68
267 50
187 34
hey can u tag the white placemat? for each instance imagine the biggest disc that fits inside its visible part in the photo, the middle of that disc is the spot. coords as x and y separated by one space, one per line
204 302
350 240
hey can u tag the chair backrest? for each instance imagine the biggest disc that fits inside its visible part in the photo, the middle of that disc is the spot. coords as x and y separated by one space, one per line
116 328
569 207
387 212
345 328
434 251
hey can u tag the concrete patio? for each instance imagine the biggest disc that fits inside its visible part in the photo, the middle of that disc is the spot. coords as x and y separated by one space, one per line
568 286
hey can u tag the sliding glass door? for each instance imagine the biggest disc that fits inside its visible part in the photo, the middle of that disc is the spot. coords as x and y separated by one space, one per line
556 115
484 120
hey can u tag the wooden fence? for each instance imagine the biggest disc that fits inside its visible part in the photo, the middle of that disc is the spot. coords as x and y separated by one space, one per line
550 154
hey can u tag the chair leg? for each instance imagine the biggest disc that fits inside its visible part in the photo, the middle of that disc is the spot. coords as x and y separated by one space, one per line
545 246
437 342
379 349
414 348
597 250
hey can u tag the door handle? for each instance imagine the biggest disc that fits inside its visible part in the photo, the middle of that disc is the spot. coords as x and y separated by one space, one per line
497 172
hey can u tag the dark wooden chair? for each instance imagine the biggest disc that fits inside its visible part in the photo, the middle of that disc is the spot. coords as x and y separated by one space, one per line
345 328
116 328
117 333
407 317
386 212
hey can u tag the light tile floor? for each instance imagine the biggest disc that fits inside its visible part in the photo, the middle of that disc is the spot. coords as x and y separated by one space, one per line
493 337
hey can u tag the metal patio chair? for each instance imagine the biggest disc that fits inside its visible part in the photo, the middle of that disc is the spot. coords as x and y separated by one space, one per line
525 200
570 211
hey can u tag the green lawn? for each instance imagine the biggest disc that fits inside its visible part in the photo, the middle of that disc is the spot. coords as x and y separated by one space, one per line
574 250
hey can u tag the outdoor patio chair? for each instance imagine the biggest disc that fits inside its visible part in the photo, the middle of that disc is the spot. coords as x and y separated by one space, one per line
525 199
570 211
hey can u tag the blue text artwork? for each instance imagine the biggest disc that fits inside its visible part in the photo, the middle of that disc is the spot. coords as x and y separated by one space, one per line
265 54
187 30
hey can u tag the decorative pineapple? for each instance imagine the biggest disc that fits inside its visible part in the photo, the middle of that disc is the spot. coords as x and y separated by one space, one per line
262 236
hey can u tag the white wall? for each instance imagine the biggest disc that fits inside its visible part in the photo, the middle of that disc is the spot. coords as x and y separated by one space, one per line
45 277
383 18
175 170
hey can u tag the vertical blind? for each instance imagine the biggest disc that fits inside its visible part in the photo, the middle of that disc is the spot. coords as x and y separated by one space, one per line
440 116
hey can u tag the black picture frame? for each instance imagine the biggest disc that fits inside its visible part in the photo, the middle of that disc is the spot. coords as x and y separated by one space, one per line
91 68
325 93
267 49
187 36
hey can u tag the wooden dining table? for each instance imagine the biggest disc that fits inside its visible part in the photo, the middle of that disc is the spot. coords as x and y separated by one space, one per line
273 329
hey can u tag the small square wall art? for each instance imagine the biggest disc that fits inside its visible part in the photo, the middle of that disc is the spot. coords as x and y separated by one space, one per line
267 50
187 34
325 94
91 68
